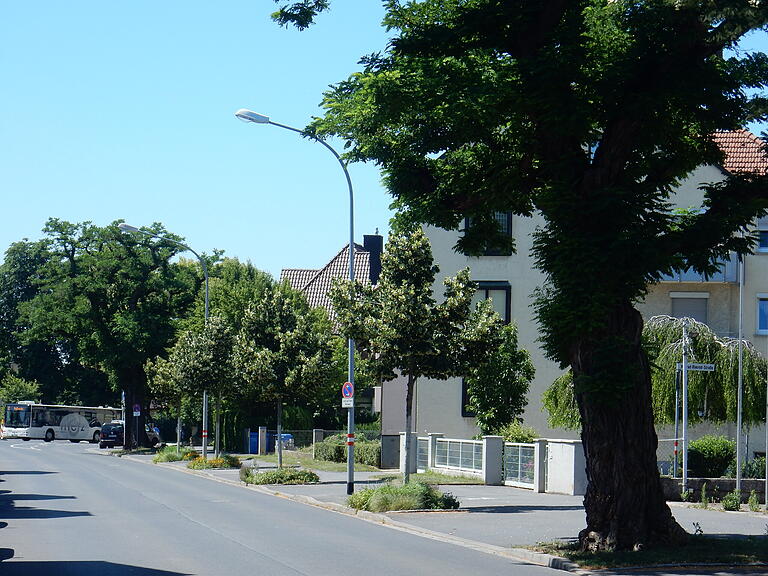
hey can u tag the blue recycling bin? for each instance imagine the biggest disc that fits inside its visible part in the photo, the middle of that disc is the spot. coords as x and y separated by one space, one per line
253 443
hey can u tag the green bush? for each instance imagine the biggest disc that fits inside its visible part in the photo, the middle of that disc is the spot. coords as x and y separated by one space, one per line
516 432
334 449
414 496
169 454
753 502
224 461
709 456
754 468
281 476
732 501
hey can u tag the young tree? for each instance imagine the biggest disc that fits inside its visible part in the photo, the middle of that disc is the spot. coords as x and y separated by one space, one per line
112 297
497 388
589 112
405 331
283 350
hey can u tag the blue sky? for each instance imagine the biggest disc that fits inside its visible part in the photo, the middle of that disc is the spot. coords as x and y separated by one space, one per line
126 110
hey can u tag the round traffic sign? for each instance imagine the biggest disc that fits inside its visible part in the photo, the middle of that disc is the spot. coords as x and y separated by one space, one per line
348 390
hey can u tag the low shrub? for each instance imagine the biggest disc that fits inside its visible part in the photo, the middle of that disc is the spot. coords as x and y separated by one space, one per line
223 461
709 456
280 476
334 449
732 501
753 502
191 455
413 496
170 454
517 432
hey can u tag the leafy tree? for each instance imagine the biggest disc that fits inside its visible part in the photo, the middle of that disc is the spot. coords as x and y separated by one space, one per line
589 113
712 396
14 389
112 298
283 350
402 327
497 388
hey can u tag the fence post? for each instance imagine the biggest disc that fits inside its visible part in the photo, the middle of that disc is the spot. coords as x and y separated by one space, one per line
317 436
262 440
412 455
540 465
432 448
493 460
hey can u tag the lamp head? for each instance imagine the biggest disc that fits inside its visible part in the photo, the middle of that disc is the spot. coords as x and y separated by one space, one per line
127 227
250 116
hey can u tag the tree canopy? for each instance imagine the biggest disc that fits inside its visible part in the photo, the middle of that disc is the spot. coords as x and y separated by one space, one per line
588 113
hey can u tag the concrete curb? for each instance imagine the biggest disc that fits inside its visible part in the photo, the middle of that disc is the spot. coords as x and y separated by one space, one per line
519 554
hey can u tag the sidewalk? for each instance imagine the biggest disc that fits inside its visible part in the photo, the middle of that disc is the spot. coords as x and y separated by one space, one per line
495 519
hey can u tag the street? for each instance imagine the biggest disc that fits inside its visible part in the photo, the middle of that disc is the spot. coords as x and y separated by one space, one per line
66 509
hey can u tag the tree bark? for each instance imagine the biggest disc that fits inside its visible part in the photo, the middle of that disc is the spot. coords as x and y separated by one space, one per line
624 503
408 419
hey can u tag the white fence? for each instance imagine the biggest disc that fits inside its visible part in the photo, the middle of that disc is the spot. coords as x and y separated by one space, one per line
520 465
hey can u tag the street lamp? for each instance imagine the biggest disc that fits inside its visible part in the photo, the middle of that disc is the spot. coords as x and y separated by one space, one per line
250 116
132 229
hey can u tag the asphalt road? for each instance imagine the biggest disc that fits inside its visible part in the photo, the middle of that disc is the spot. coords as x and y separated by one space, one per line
66 509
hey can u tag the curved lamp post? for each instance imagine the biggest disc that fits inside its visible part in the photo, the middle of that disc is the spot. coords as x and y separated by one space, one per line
256 118
132 229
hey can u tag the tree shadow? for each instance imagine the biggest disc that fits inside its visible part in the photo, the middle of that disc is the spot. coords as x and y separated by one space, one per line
79 568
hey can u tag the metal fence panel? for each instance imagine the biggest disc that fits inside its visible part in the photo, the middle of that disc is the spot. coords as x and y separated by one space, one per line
422 453
519 464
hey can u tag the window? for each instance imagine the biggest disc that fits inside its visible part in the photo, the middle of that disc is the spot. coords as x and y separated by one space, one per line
762 313
499 293
505 223
762 234
690 305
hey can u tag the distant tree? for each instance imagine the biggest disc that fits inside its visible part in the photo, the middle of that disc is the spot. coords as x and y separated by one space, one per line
712 396
283 351
300 14
114 298
14 389
497 389
402 327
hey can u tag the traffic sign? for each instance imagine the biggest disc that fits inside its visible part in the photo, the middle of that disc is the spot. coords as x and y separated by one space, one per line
137 410
697 367
347 402
348 390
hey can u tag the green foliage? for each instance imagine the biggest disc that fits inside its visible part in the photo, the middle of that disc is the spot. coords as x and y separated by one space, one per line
704 499
334 449
300 14
14 389
755 468
732 501
223 461
753 502
560 403
709 456
685 496
282 476
497 389
413 496
515 431
171 454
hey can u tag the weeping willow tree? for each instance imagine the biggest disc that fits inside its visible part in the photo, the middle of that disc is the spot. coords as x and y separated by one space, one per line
712 396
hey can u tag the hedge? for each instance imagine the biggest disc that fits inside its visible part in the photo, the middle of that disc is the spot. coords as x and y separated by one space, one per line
334 449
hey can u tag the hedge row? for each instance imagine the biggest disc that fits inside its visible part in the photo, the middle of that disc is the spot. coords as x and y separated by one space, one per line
334 449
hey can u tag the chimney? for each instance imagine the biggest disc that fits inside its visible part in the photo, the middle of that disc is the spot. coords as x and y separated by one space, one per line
374 245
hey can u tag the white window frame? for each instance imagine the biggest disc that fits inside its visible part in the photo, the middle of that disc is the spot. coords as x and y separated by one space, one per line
762 226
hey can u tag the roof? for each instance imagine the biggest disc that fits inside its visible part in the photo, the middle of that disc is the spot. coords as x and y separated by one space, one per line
744 152
315 284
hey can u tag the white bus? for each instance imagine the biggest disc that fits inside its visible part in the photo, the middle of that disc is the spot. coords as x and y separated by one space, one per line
49 422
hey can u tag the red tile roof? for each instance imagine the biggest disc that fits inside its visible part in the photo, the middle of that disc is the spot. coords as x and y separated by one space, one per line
744 152
316 283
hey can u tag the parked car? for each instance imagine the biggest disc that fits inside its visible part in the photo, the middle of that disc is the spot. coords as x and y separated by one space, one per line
112 434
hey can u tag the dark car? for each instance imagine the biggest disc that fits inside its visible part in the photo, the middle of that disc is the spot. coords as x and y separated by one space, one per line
111 435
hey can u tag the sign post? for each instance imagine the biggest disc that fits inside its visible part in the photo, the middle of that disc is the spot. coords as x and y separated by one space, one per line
136 414
348 402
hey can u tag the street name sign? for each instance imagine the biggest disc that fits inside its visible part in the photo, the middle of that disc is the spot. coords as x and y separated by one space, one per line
697 367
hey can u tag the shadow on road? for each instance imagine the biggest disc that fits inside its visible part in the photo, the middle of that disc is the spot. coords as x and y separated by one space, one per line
518 509
79 568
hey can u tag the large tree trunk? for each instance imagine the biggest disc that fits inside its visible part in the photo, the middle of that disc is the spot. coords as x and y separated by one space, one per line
624 503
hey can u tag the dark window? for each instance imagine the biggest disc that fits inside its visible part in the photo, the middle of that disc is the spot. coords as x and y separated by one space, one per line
500 295
505 223
465 400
